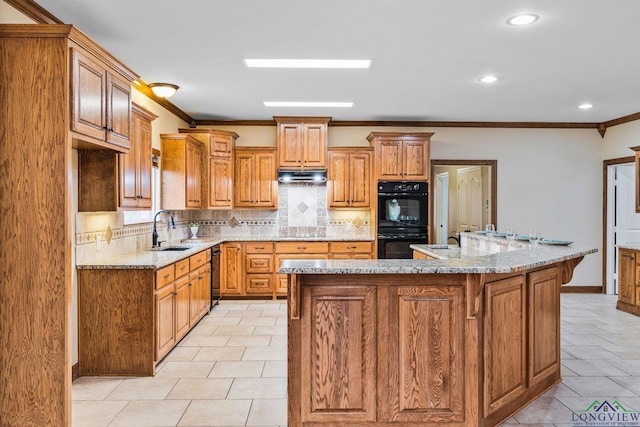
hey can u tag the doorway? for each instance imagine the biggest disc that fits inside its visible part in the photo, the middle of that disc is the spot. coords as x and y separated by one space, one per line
464 197
621 222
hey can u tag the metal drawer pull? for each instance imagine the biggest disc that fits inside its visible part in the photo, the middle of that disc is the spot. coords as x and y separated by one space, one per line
166 276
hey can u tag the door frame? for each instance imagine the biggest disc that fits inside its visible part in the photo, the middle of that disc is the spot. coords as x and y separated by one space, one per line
605 211
494 186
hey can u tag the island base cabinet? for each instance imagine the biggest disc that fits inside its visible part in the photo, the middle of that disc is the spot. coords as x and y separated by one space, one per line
420 350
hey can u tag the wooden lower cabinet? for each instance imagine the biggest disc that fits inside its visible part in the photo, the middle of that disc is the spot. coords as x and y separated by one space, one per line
629 281
505 346
338 337
250 269
130 319
421 350
426 362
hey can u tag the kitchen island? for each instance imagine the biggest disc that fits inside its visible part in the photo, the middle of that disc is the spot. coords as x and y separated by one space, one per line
464 340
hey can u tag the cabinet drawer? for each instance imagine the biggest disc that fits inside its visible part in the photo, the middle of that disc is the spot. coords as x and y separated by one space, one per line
182 267
302 247
259 264
259 284
164 276
259 248
197 260
349 247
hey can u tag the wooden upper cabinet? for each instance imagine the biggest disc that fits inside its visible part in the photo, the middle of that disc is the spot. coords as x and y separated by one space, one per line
135 167
100 103
349 178
220 146
401 156
302 142
255 178
182 165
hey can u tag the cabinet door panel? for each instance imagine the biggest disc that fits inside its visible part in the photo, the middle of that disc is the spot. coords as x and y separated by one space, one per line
244 179
390 158
415 156
426 354
504 342
289 146
89 91
265 180
118 111
338 337
220 182
544 328
145 165
231 275
360 185
165 320
626 275
315 146
183 297
194 175
338 180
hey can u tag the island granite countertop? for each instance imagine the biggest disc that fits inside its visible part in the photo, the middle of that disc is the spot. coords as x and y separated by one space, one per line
452 260
148 259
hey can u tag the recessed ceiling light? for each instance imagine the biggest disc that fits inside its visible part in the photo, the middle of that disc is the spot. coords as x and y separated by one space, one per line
488 79
524 19
307 104
585 106
308 63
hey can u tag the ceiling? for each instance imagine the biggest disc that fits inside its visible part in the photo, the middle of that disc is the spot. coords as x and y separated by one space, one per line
427 56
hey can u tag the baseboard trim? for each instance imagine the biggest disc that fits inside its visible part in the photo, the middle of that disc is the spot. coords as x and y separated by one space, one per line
581 289
75 371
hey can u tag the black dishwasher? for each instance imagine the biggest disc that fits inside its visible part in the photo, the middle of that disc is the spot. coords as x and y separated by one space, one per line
215 275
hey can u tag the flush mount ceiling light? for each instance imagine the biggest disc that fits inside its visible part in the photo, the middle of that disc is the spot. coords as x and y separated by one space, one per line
163 90
524 19
307 104
308 63
488 79
585 106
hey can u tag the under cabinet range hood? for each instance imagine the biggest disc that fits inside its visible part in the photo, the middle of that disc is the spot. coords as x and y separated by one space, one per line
316 176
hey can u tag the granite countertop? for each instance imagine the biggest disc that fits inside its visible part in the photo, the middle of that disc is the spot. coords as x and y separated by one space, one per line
148 259
633 246
452 260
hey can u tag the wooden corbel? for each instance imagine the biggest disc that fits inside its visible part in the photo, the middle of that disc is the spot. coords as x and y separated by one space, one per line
568 267
474 288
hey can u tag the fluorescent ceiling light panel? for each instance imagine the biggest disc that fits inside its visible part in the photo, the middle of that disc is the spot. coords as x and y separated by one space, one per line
488 79
308 63
307 104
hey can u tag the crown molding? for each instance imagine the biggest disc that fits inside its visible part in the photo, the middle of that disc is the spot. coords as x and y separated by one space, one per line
369 123
34 11
602 128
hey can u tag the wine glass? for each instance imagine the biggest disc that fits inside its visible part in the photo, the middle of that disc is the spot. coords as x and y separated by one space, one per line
490 229
534 236
511 234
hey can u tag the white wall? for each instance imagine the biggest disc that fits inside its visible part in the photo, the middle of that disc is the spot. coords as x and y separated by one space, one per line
618 139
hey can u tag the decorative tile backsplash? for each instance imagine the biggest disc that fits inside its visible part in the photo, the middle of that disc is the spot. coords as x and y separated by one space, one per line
301 212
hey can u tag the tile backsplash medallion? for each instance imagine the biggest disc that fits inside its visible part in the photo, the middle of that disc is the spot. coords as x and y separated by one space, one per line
302 212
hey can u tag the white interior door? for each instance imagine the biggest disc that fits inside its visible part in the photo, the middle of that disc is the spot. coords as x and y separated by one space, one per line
441 208
470 199
623 221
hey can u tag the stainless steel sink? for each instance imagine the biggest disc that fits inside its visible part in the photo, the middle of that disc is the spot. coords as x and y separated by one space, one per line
171 248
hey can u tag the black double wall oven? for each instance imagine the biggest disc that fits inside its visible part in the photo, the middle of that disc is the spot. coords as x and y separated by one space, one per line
402 218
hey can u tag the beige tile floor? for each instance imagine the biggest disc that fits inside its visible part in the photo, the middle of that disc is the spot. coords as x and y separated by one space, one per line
231 371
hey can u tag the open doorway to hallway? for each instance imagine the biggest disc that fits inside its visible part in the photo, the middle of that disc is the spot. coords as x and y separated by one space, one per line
621 222
463 197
